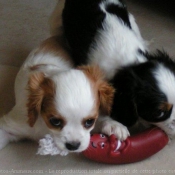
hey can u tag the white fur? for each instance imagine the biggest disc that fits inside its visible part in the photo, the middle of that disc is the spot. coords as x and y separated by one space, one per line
104 4
166 83
74 106
116 44
108 126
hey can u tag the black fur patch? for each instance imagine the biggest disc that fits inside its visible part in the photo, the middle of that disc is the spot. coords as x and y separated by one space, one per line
81 20
120 12
161 57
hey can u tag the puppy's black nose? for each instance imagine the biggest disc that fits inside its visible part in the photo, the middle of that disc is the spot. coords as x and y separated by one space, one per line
72 146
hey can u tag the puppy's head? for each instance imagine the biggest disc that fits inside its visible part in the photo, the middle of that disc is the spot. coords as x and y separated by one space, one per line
69 103
155 95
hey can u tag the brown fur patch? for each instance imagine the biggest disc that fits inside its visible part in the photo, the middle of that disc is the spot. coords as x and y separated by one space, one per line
165 106
103 91
106 94
48 110
39 87
41 100
93 72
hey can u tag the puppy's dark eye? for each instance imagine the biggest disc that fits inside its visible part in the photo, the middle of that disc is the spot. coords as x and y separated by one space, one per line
88 123
56 122
159 114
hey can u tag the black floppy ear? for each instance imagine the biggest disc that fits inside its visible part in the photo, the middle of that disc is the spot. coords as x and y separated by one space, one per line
123 110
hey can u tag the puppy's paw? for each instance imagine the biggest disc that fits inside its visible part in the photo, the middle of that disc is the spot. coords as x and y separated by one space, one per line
4 138
116 128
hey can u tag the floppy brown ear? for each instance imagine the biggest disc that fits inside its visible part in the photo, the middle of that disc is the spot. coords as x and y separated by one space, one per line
105 90
38 87
35 97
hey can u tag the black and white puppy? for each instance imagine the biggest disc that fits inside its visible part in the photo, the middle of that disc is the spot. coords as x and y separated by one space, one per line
146 91
103 32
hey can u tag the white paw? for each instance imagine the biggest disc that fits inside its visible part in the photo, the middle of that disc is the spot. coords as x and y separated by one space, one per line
4 138
116 128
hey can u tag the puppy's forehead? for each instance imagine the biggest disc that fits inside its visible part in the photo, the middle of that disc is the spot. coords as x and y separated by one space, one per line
74 94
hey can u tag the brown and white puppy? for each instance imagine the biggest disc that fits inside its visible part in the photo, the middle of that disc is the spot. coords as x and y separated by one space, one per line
54 97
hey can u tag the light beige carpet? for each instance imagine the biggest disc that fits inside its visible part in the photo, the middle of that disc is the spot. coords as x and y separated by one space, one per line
23 25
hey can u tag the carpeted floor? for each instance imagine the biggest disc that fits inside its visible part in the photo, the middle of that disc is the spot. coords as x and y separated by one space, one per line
23 25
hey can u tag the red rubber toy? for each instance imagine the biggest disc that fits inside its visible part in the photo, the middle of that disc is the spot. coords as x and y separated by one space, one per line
135 148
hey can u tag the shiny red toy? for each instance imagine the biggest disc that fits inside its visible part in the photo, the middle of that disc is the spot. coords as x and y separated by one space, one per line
135 148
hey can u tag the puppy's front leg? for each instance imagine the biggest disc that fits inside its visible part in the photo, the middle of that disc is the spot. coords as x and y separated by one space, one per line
9 127
5 138
108 126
